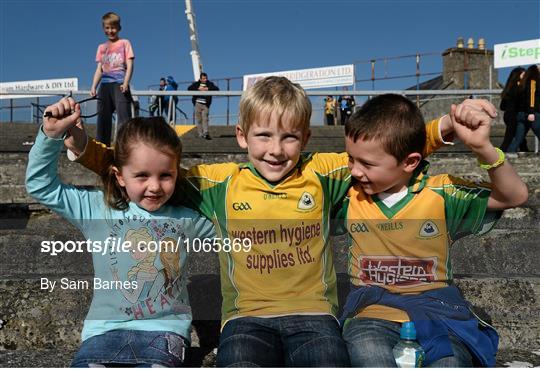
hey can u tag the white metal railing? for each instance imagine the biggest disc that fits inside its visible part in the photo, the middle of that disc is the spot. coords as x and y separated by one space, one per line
239 93
419 93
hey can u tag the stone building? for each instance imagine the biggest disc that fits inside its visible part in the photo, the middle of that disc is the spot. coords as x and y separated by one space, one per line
464 68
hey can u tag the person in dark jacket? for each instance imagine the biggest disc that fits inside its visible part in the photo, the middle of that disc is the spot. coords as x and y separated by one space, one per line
170 113
156 102
346 104
202 103
529 107
509 104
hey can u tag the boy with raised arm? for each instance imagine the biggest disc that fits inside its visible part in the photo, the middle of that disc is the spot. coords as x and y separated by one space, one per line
402 221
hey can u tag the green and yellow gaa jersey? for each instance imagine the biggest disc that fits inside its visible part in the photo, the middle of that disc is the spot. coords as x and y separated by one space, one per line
289 269
405 248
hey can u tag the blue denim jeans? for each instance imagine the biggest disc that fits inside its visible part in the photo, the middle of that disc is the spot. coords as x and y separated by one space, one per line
131 348
293 340
370 343
523 126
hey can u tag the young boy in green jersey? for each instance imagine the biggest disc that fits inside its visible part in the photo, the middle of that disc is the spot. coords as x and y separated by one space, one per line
279 299
402 221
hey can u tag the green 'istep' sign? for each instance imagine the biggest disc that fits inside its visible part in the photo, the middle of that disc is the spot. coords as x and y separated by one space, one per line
517 53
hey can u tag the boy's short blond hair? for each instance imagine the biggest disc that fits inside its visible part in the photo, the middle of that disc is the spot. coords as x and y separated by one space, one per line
275 95
112 19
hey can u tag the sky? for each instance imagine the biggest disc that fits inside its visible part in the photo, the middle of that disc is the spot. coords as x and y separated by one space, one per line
49 39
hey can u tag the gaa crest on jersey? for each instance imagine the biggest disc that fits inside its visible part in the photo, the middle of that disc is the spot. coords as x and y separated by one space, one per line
306 202
429 230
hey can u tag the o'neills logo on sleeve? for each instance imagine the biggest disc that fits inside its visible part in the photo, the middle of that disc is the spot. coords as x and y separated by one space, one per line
398 271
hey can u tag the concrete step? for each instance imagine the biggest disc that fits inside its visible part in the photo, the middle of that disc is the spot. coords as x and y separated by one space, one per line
13 169
39 319
18 137
36 318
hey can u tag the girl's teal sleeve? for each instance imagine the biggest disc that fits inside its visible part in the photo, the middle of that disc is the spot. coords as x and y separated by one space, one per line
44 185
203 228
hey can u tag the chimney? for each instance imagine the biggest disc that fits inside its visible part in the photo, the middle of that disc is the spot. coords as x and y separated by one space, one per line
481 44
469 67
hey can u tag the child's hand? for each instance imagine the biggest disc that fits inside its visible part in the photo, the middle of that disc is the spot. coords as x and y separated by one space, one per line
93 91
471 121
124 88
530 117
474 105
76 138
59 117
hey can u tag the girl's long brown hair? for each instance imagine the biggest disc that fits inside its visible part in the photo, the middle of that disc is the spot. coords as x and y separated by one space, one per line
512 81
154 132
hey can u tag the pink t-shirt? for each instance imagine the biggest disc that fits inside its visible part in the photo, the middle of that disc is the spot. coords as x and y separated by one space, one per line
113 57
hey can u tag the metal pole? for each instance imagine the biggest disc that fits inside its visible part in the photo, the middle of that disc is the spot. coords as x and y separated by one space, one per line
115 117
174 113
373 74
195 55
170 113
11 110
417 79
466 71
490 83
354 78
228 99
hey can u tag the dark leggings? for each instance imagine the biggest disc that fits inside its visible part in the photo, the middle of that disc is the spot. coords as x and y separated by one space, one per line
111 99
510 120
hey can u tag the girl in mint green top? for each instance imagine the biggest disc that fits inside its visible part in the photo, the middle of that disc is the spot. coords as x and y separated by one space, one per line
140 312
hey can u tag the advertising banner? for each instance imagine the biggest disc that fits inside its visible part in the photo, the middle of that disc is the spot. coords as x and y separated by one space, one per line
61 84
341 75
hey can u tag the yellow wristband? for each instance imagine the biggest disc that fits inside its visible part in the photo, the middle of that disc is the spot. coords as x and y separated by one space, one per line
498 163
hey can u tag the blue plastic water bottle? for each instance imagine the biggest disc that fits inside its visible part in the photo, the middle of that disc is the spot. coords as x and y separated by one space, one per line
408 352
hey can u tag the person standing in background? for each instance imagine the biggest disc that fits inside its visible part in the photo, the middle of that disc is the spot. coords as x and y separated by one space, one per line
171 85
529 107
114 60
156 102
346 104
330 110
202 104
509 104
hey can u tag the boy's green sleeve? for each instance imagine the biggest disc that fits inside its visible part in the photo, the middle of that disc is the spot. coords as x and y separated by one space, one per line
97 157
334 176
205 188
466 207
339 218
